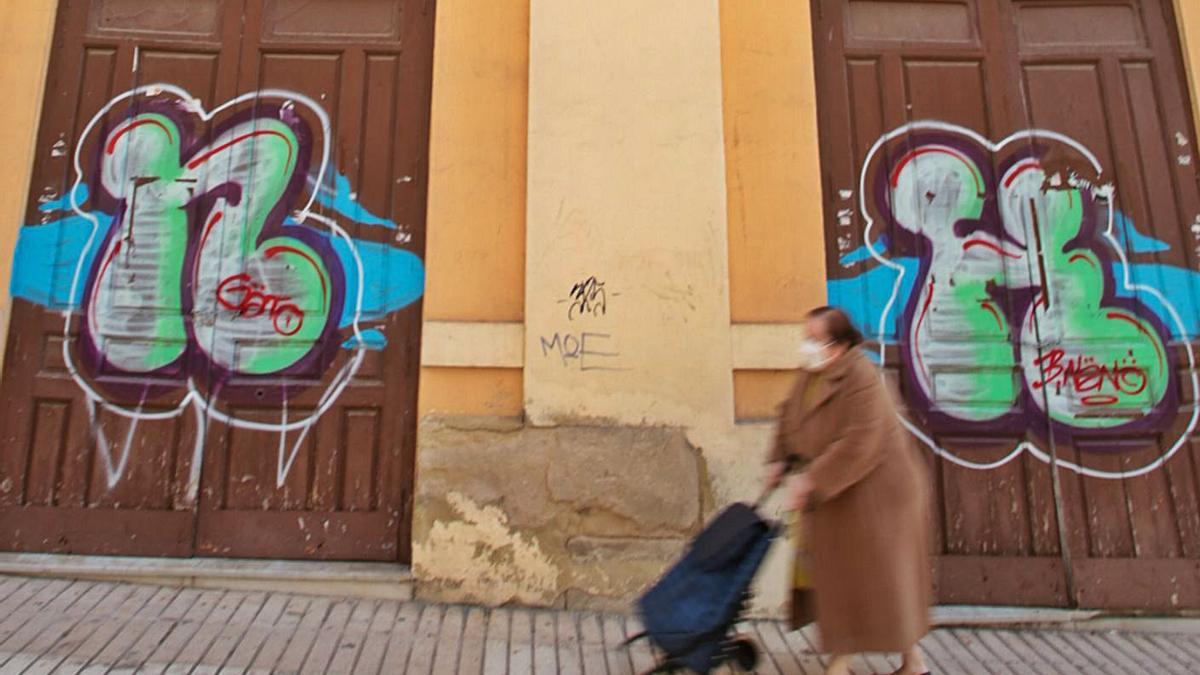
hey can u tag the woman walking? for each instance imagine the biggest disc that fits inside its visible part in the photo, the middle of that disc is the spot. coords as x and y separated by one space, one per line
864 494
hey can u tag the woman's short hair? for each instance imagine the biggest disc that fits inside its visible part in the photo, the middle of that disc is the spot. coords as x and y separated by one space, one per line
838 324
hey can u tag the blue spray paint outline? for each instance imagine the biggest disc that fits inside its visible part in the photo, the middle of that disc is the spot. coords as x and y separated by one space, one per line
859 295
48 254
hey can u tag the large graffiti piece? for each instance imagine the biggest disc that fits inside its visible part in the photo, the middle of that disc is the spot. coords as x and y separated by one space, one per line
1000 273
192 265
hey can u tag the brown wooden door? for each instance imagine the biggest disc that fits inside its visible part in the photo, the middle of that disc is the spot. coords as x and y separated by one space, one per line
1011 197
214 350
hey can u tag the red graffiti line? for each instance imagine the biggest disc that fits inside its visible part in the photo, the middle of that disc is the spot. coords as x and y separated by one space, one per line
972 243
212 221
1020 169
112 142
240 293
920 320
229 144
1100 384
1080 256
276 250
1038 301
96 285
987 304
1142 330
943 151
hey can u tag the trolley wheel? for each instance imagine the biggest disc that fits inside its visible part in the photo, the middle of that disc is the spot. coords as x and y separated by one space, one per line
744 653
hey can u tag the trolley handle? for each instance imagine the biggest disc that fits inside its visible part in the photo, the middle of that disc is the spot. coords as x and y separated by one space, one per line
789 463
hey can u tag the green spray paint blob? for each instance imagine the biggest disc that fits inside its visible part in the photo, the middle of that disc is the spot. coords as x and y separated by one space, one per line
1097 367
136 309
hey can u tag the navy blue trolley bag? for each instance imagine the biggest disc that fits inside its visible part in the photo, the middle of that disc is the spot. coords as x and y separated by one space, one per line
690 613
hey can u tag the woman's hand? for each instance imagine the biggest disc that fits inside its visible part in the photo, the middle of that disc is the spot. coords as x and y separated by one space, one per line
800 490
773 476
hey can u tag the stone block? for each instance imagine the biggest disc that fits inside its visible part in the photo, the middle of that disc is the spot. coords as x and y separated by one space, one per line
574 516
647 475
590 549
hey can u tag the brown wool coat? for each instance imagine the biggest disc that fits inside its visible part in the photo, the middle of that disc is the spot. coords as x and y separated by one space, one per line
867 535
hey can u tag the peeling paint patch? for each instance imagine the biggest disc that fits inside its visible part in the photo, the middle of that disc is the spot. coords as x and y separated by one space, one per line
481 557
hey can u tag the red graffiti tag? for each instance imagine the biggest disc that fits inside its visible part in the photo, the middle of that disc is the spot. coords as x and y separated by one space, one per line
245 296
1100 383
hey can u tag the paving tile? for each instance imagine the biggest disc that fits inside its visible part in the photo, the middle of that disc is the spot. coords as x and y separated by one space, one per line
591 645
773 654
374 646
971 661
495 652
209 630
107 639
1171 648
640 652
424 648
1056 660
328 637
973 642
400 641
301 639
449 641
520 652
474 636
616 654
276 641
545 643
41 630
230 635
62 637
802 645
1003 657
567 635
57 626
1188 643
242 657
157 631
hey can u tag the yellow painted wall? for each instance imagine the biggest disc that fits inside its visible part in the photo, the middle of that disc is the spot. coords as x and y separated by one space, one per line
26 27
773 171
773 178
758 393
626 183
475 250
455 392
1187 14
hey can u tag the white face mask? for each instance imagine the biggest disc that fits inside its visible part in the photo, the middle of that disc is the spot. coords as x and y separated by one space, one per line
813 354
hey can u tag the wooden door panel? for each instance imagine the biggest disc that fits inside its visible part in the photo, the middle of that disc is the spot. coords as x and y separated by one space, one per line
1114 84
97 459
1010 193
985 513
899 101
187 19
1185 498
216 327
1037 581
323 465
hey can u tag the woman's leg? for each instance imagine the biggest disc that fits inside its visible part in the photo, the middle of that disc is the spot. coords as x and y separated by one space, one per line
839 664
914 663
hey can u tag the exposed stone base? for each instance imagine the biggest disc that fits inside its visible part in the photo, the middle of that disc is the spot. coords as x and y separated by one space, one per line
570 517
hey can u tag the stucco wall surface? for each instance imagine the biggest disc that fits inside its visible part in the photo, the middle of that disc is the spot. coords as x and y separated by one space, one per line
26 27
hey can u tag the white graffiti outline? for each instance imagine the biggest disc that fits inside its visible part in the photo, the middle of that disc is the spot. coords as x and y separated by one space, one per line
203 407
1024 446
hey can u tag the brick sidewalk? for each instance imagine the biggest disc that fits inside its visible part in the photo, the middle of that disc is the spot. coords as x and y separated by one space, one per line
58 626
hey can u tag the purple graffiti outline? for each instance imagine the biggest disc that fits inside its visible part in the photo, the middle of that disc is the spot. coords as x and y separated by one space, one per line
220 382
1025 413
